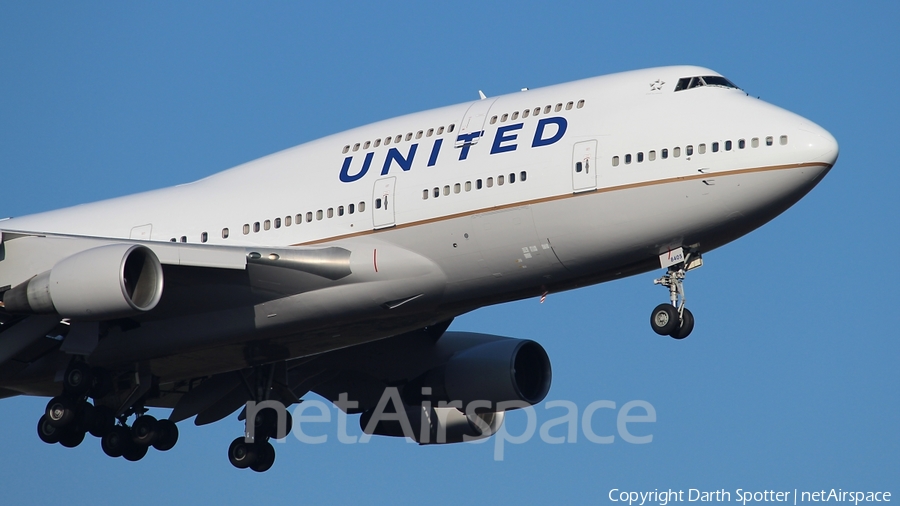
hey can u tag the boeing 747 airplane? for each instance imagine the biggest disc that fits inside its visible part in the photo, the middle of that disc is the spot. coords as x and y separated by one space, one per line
336 266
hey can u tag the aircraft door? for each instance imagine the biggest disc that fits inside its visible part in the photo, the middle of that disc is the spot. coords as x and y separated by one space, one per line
383 203
584 166
473 121
141 233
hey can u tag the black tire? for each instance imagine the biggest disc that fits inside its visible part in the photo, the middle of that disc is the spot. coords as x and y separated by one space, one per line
117 441
265 457
664 319
135 453
104 421
167 435
687 325
242 455
78 379
265 424
143 431
47 432
71 436
61 411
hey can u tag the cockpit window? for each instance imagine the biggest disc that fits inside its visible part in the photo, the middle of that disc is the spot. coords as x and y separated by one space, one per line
686 83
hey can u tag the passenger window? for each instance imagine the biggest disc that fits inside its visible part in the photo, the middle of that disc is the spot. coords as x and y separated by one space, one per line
569 106
701 149
547 108
224 233
665 153
689 150
457 188
340 210
409 136
525 113
173 240
514 116
580 104
676 152
727 145
440 130
184 238
468 186
558 107
504 118
493 119
204 237
387 140
446 190
398 138
346 148
537 110
277 222
331 212
512 178
246 228
267 225
754 142
367 144
769 140
419 134
362 206
783 140
627 159
287 220
437 192
356 147
715 147
741 144
256 227
425 194
640 156
478 184
319 215
450 128
615 161
308 217
429 133
490 182
377 142
351 208
522 176
500 180
651 155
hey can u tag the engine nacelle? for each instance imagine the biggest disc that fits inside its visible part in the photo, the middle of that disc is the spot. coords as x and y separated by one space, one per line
102 283
430 425
500 370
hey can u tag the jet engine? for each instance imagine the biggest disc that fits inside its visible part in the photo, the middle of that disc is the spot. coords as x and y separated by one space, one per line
102 283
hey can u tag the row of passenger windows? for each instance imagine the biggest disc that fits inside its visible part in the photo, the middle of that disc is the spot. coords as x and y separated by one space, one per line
536 111
511 178
701 149
287 221
398 138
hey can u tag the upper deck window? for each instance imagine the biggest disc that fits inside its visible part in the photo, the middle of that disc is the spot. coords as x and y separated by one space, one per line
686 83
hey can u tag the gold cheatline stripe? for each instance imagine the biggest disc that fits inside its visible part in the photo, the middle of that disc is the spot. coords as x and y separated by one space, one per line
570 195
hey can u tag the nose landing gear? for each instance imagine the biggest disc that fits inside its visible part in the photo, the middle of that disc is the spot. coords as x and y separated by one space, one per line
674 319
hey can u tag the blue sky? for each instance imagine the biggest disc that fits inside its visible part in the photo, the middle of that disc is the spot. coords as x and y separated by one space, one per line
790 379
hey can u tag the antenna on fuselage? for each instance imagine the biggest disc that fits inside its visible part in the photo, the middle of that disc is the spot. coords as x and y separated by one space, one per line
481 94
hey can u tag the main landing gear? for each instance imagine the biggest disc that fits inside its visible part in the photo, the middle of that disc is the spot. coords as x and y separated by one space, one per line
69 417
674 319
253 450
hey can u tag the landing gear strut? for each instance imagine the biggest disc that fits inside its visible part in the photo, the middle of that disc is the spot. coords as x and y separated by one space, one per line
253 450
674 319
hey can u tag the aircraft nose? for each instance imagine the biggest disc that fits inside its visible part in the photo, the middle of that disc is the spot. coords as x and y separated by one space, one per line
820 145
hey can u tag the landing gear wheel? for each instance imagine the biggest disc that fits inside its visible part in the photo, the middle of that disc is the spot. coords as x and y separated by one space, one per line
241 454
71 436
143 431
61 411
265 457
117 441
104 421
664 319
166 435
78 379
47 432
687 325
135 453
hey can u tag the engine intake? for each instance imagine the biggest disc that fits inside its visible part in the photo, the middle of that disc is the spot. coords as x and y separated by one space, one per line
102 283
